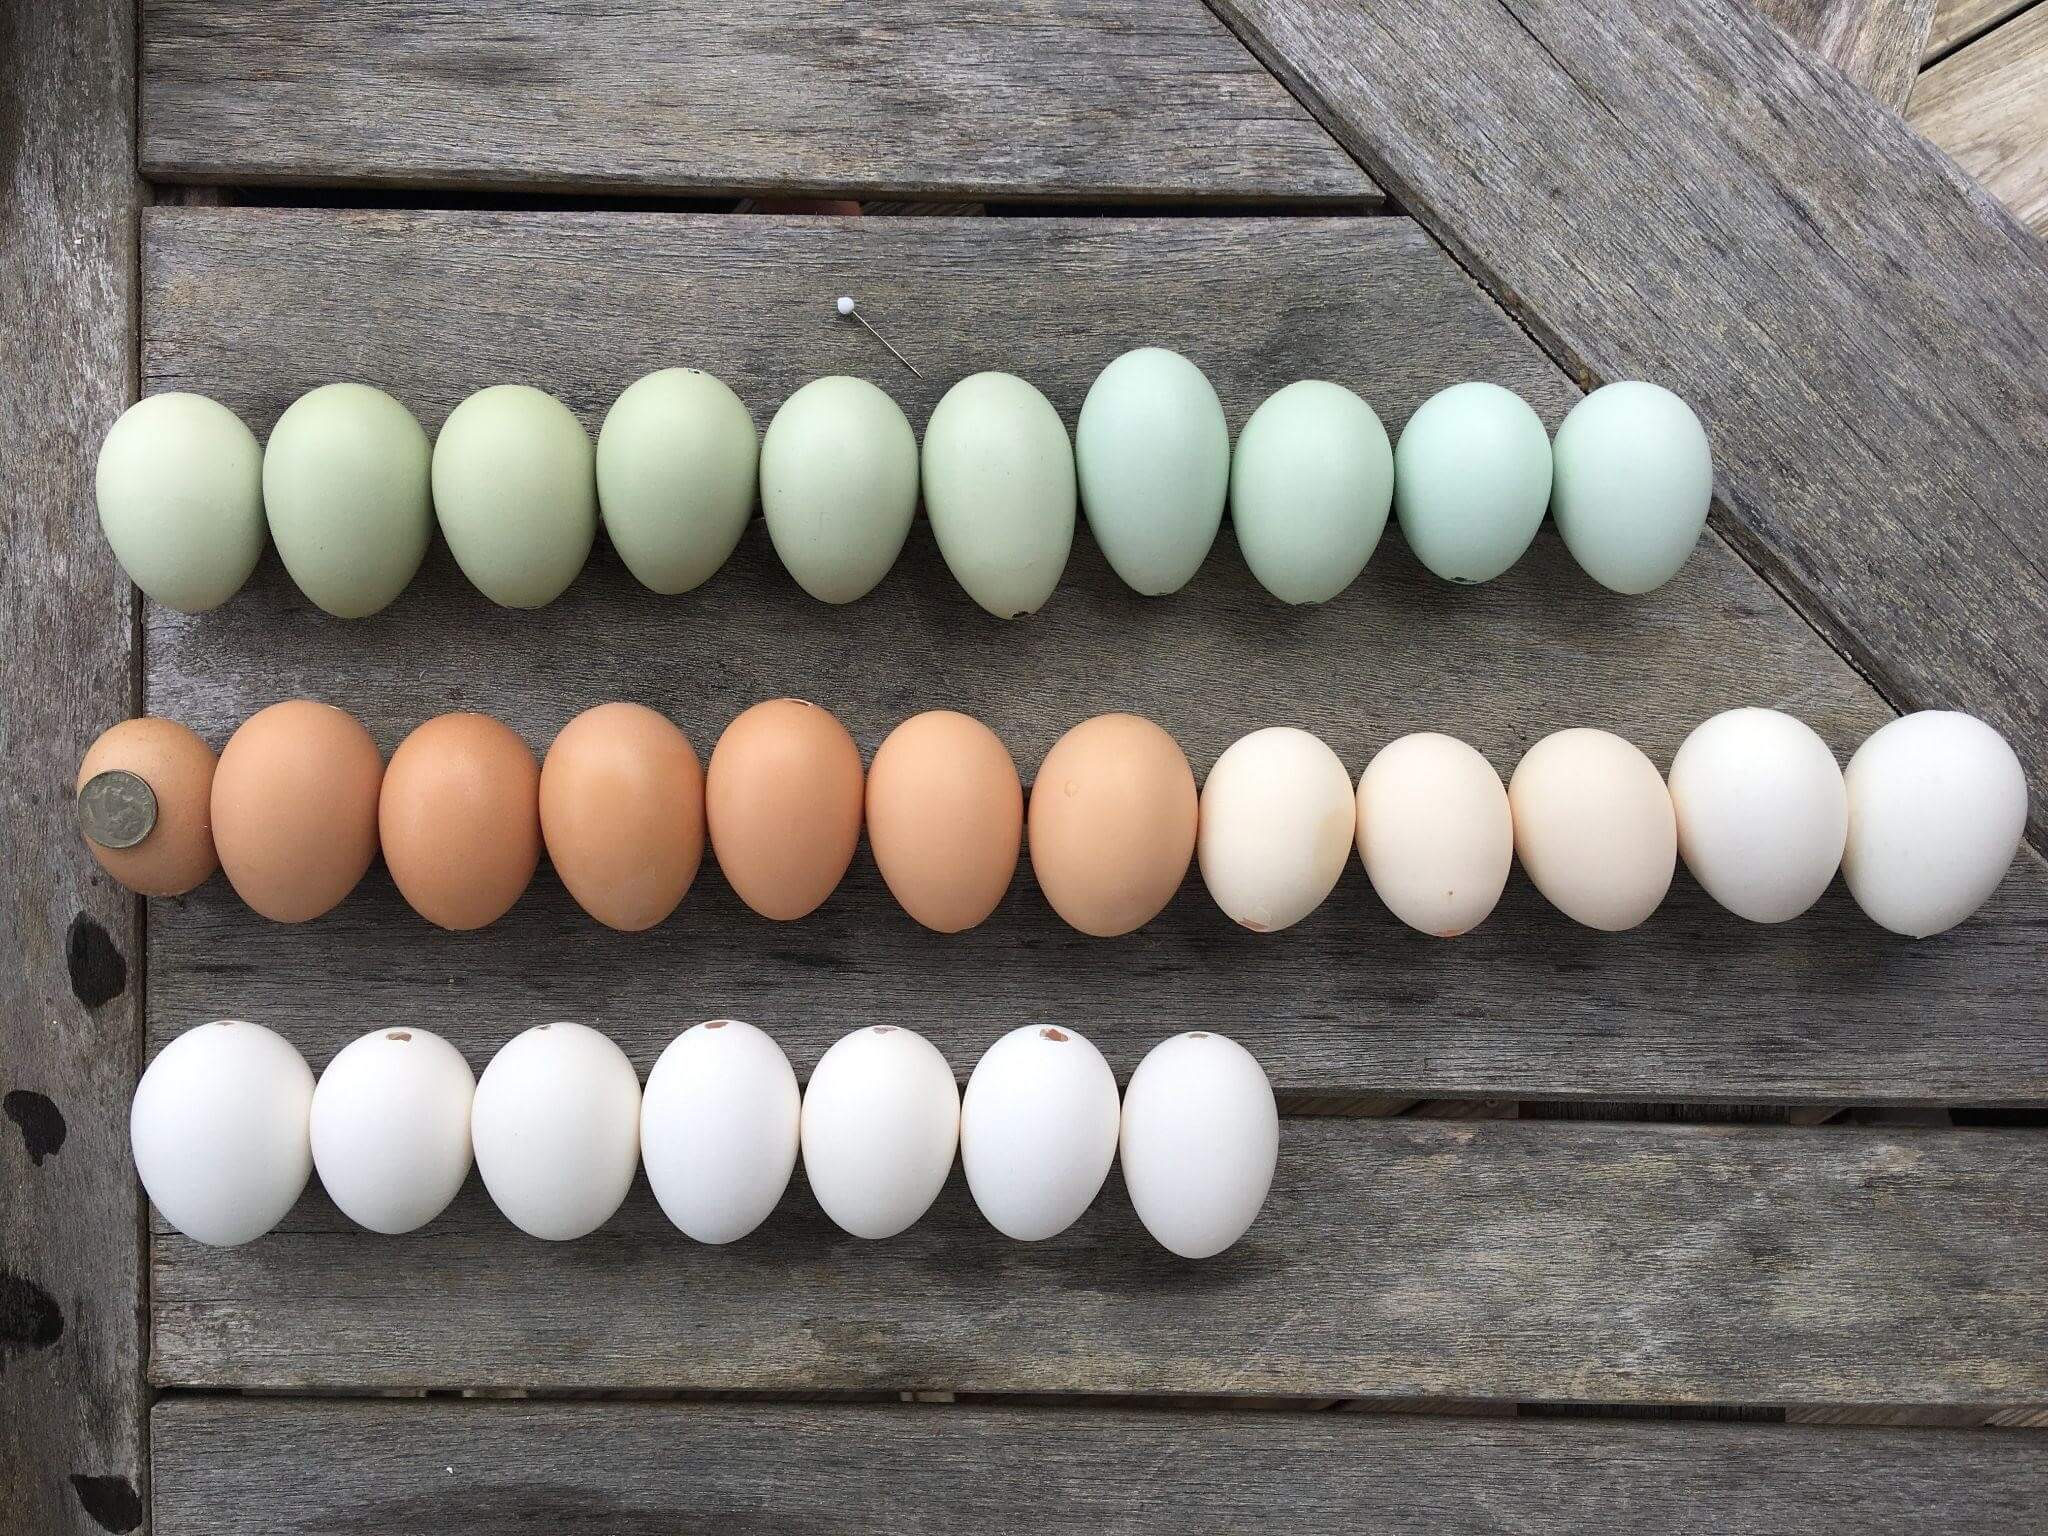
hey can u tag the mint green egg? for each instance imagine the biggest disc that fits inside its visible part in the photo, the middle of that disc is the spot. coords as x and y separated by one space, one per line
515 488
1635 476
180 489
999 489
838 486
345 486
1471 480
676 461
1310 483
1153 453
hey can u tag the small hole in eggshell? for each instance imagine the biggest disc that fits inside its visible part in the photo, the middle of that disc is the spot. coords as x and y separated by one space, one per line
1049 1033
1197 1035
885 1029
714 1024
399 1034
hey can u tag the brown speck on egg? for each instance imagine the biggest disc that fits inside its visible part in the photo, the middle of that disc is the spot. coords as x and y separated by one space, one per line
1049 1033
715 1024
398 1034
1245 922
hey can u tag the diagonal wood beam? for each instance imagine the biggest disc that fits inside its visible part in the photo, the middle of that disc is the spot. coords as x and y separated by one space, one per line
1876 43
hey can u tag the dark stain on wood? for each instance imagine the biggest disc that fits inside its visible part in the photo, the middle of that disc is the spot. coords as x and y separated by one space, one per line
112 1502
29 1315
41 1122
99 973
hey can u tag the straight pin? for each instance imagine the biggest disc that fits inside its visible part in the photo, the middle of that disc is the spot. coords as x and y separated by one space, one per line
847 307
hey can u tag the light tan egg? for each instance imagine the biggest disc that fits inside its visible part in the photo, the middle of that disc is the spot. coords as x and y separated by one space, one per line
782 802
622 812
1113 815
1594 827
460 817
295 808
176 853
945 818
1435 833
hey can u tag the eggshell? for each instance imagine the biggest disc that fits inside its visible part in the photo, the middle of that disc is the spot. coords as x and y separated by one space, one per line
1310 484
1635 477
622 813
1937 807
880 1120
391 1128
1594 827
1434 832
839 486
676 463
460 819
1113 816
1471 480
515 488
346 491
180 489
1038 1130
1762 812
782 800
219 1131
178 767
1277 817
998 476
945 815
295 808
1201 1136
556 1126
1153 455
718 1129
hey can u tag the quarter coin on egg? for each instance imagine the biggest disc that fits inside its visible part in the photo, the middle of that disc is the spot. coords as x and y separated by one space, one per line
880 1121
295 808
945 816
782 802
515 489
1434 832
622 814
1200 1140
149 822
998 476
676 463
556 1127
460 819
1152 453
1635 477
1038 1130
180 488
390 1126
1277 818
718 1129
1762 813
1112 824
219 1131
1594 827
838 486
1472 480
1311 480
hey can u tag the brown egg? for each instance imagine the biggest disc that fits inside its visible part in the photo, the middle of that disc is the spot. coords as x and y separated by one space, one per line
622 810
460 817
177 852
782 799
945 818
1112 823
295 808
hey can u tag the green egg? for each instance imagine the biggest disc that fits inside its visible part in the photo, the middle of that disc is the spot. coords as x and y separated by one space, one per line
675 476
838 486
1310 484
1153 453
515 488
999 489
1635 476
1471 480
345 486
180 487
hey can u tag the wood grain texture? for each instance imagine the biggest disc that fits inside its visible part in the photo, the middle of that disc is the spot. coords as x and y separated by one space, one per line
1987 105
1876 43
1670 189
229 1468
1023 98
1959 21
71 1394
1503 1259
255 307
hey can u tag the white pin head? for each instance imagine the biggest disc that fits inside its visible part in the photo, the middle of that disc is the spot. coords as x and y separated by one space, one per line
845 304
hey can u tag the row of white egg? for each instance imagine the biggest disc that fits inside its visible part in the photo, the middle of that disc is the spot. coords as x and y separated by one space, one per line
350 488
227 1124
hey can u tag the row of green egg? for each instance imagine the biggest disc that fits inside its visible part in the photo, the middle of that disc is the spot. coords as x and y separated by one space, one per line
350 488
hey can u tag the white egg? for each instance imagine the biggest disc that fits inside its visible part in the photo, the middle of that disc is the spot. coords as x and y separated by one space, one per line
1275 827
1434 832
1594 828
1038 1130
1937 807
1201 1134
556 1123
1761 812
219 1132
718 1129
391 1128
880 1121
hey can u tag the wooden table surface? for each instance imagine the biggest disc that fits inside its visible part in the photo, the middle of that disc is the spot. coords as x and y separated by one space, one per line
1705 1226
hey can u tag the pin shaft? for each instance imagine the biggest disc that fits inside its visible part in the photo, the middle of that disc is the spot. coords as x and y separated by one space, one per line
847 308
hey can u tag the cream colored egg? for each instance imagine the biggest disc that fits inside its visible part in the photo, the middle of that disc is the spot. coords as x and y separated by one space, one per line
1275 828
1594 827
1761 811
1434 832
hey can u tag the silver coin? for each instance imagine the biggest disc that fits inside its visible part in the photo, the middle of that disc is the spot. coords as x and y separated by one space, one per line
116 809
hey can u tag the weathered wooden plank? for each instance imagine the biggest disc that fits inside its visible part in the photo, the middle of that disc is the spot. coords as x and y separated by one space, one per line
1876 43
1534 1261
1670 189
229 1468
1094 98
1987 105
255 306
1960 21
71 1392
